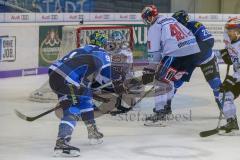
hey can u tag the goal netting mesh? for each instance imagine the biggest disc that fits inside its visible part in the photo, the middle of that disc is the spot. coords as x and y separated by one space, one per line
72 38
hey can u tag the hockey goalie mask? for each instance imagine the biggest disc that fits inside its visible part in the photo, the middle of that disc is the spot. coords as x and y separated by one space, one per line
232 28
149 14
116 41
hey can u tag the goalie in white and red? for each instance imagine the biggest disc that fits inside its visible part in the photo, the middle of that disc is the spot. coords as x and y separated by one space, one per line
122 63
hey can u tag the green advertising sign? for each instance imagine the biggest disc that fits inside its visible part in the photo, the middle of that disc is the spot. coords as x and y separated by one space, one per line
49 44
140 41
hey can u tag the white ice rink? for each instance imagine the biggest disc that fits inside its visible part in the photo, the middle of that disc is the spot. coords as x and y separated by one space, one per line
124 140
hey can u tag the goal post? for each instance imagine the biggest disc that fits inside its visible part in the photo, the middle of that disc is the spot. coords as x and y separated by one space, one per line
74 37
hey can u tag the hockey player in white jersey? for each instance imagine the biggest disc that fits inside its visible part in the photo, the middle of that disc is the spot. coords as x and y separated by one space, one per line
167 37
205 60
231 84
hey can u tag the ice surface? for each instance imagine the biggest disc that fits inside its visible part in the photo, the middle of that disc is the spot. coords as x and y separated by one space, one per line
125 138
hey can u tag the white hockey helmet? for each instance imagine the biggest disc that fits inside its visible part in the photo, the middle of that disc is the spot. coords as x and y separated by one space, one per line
232 28
149 14
233 23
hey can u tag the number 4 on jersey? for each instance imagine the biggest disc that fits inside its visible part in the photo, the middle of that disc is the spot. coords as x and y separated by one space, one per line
177 32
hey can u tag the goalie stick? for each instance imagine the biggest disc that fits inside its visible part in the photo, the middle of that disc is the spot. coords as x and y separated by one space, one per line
216 130
33 118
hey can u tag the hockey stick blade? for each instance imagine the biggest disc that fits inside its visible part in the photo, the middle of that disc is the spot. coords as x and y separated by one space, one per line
24 117
209 132
30 119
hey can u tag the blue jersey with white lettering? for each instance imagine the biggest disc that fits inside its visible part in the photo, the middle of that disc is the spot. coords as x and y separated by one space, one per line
80 66
204 39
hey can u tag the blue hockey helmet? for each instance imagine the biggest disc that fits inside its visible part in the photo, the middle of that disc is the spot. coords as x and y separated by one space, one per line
181 16
98 38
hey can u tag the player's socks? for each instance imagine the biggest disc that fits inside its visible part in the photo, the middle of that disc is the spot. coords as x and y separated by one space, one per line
63 149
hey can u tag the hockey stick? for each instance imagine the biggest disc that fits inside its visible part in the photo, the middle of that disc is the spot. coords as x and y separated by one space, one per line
215 131
145 94
33 118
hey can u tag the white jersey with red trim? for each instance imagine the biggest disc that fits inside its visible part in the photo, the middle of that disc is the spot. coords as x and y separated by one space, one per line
234 52
168 37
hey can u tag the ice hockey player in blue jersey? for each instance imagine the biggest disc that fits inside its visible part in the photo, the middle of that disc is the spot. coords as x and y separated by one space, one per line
206 60
70 78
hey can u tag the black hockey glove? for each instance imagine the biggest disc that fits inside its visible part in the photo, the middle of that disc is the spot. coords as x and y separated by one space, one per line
230 84
226 57
148 75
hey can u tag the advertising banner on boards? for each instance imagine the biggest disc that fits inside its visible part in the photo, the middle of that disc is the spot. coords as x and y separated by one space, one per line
50 38
7 48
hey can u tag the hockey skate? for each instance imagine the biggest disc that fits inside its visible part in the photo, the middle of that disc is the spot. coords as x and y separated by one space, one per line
63 149
158 117
230 128
94 136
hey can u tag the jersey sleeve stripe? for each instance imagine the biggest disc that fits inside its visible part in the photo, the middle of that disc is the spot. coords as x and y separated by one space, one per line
207 38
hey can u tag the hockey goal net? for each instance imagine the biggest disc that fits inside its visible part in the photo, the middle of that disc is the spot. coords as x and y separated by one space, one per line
72 38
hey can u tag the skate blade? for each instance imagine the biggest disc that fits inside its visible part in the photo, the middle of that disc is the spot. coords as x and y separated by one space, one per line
154 124
60 153
95 141
232 133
